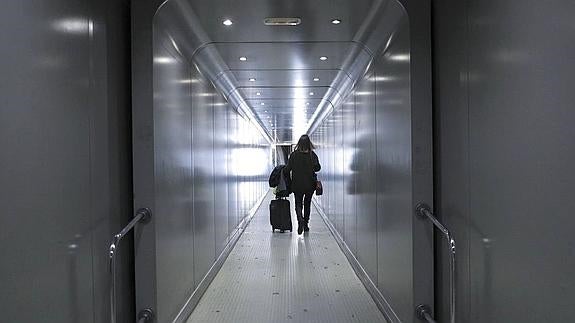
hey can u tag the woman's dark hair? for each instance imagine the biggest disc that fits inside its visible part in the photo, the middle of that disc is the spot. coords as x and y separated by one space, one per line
304 144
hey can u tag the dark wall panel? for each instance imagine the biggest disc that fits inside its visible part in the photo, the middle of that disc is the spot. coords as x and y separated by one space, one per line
504 111
65 164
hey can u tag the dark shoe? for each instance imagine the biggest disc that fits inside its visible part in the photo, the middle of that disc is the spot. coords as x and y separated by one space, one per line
305 227
299 229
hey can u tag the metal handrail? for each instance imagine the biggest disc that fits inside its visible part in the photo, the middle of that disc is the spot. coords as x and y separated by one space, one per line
424 314
143 215
424 211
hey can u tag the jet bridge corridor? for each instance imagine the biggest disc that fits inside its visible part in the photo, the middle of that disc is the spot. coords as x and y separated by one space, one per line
232 86
138 138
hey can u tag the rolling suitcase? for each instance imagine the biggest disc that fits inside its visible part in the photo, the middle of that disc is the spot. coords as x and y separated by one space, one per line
280 217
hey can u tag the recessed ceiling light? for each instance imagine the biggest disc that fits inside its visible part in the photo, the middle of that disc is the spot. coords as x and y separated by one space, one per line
243 58
307 103
164 60
266 111
258 94
282 21
399 57
227 22
252 79
316 79
336 21
323 58
262 103
311 93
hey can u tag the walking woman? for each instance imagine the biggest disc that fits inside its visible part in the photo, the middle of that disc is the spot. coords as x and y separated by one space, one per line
303 164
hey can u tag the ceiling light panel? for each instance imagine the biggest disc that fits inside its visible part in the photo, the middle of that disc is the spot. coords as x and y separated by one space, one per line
284 56
285 78
282 21
315 24
282 93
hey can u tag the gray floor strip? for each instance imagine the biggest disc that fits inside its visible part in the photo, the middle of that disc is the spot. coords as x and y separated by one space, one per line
284 277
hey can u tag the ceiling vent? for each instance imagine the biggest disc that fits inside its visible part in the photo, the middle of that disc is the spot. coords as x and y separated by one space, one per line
282 21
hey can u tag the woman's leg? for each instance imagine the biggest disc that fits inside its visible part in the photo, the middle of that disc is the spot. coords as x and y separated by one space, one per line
298 211
299 206
307 209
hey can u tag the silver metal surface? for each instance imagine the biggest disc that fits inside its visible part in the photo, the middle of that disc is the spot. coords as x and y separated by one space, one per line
216 50
145 315
65 162
424 314
197 59
142 216
504 113
209 167
203 285
361 273
386 125
178 24
285 277
424 211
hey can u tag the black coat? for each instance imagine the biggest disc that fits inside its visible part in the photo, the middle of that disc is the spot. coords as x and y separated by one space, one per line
302 166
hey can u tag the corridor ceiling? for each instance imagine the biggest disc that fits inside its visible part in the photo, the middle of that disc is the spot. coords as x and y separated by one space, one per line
285 76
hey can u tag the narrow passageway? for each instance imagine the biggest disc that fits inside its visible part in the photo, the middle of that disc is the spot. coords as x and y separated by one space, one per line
286 277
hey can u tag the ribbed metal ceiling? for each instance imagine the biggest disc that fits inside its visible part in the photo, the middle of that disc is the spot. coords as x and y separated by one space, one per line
276 74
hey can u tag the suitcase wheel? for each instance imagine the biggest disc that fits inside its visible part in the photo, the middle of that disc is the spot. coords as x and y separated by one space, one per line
282 231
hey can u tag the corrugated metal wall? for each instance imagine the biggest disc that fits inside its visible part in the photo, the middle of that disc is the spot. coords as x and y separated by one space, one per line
211 167
365 148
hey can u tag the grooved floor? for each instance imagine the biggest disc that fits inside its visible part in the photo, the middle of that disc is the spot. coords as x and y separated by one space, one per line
284 277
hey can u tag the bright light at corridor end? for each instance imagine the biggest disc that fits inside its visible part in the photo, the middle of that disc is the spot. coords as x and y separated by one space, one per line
227 22
323 58
336 21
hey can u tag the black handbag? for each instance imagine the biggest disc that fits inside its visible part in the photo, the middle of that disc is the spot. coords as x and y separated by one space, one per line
318 184
318 188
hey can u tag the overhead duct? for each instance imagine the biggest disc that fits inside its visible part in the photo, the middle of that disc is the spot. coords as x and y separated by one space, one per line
179 22
373 36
